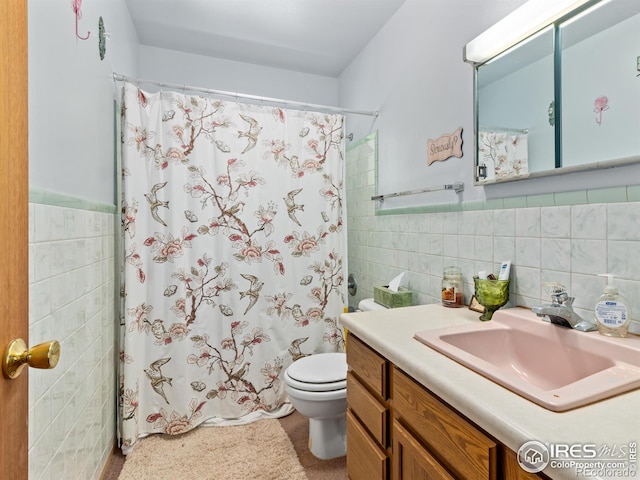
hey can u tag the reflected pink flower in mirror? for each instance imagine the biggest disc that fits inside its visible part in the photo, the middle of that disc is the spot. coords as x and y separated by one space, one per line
599 106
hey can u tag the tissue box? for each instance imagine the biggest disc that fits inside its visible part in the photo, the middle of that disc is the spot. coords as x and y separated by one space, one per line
402 298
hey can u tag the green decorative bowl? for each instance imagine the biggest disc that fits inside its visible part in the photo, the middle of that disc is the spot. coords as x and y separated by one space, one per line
491 294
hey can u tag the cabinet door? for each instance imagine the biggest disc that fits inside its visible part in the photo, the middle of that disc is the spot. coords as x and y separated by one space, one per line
465 450
365 460
411 461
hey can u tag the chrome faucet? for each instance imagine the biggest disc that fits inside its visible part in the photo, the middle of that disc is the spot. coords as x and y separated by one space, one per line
560 312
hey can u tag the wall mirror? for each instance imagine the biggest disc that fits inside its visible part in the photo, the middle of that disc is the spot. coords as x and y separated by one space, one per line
565 98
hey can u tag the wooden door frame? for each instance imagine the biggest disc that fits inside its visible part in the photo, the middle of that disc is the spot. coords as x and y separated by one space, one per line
14 231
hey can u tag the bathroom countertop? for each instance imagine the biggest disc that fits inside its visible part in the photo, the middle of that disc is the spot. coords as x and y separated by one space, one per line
508 417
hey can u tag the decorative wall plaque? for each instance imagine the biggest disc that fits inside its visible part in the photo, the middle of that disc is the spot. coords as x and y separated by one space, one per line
444 147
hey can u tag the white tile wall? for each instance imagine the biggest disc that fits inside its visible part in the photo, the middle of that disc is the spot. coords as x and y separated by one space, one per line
71 277
570 244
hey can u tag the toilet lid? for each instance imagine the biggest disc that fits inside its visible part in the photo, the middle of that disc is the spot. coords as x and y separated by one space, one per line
321 368
313 387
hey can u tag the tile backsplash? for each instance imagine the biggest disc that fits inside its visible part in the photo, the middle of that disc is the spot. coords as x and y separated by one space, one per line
568 238
71 299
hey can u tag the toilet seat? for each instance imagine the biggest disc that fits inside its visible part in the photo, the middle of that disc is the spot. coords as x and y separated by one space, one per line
314 387
322 372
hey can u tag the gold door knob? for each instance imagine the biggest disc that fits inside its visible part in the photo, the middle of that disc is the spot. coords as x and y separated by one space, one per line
16 356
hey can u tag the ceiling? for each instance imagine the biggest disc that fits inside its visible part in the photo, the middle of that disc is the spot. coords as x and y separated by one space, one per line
313 36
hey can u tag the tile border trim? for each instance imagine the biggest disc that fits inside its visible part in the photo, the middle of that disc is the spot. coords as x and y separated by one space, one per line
46 197
629 193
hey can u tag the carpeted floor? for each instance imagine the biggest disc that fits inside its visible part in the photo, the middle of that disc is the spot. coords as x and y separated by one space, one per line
297 428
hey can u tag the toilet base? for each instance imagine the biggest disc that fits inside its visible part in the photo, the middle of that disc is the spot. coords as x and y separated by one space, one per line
328 437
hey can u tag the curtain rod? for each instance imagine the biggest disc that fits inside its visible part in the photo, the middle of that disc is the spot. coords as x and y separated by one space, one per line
121 78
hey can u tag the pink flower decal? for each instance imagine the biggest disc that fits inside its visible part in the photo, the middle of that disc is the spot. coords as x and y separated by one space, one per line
599 106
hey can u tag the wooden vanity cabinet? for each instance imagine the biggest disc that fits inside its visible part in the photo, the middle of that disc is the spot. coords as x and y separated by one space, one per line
397 429
368 437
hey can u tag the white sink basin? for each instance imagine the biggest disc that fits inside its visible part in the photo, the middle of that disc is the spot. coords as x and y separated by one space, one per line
555 367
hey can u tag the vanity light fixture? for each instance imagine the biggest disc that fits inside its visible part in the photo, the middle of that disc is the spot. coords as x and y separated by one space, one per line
520 24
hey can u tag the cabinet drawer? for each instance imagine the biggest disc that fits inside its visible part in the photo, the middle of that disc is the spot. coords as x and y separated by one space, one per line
412 461
370 367
369 411
365 460
464 450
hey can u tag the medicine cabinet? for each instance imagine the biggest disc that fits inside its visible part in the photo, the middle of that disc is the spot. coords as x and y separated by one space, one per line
564 99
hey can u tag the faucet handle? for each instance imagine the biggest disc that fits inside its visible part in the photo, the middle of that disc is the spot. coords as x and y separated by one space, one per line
561 298
558 293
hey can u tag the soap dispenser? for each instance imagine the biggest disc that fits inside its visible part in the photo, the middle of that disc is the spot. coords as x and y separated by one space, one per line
613 314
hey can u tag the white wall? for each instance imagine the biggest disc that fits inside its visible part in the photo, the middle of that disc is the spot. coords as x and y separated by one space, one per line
71 92
413 72
196 70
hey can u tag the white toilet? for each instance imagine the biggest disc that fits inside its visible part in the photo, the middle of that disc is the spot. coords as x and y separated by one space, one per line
369 305
317 388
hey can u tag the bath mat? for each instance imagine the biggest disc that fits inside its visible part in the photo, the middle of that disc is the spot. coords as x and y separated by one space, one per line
259 450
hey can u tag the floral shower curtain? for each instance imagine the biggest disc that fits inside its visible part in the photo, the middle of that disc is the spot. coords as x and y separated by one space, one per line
232 218
504 154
